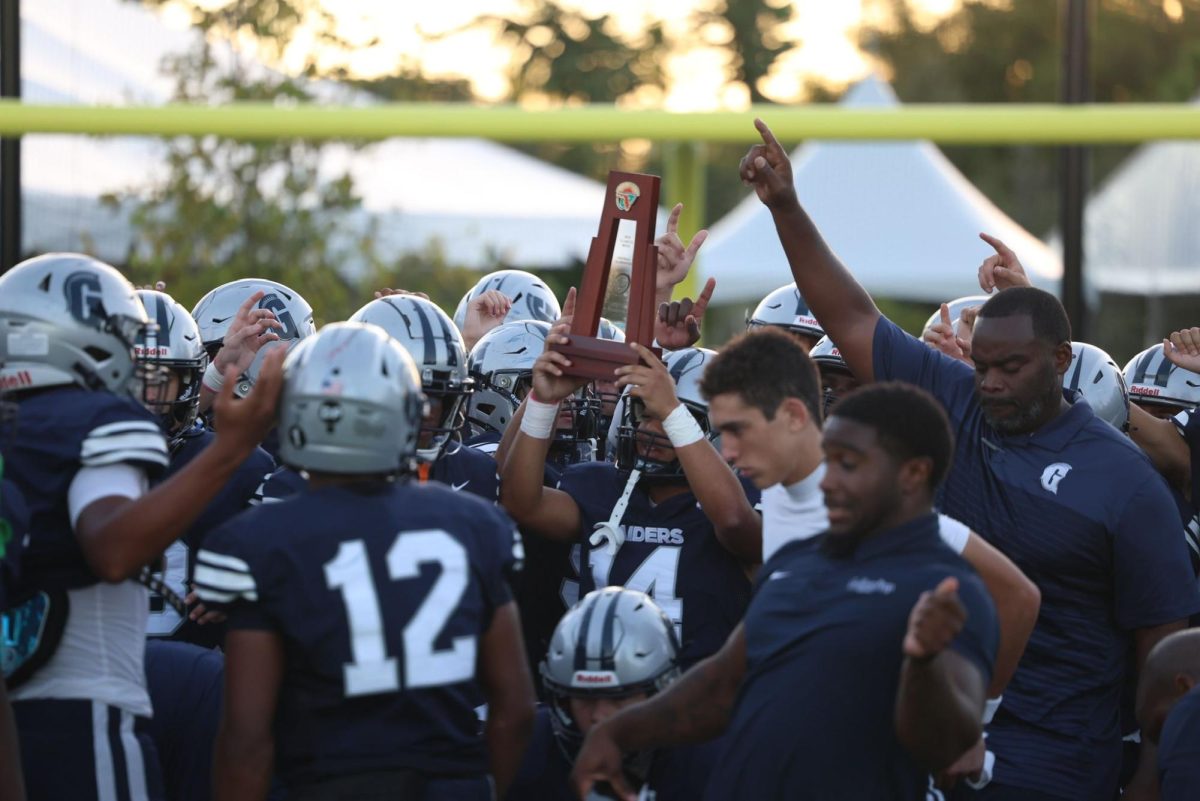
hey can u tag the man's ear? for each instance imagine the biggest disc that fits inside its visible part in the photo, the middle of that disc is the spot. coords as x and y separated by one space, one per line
914 475
1184 683
1062 357
798 416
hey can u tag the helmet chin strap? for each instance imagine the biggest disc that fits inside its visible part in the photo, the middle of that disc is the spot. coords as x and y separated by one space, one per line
609 531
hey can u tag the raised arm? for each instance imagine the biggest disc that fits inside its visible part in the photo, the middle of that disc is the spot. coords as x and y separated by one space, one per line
844 308
540 510
939 704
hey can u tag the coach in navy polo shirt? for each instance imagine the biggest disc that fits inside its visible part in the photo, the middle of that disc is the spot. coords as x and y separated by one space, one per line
863 659
1070 500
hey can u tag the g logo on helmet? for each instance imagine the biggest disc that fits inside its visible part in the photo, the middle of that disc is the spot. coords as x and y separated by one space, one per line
85 298
275 303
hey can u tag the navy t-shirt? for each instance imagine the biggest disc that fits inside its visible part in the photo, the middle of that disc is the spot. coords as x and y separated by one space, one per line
675 774
57 432
1179 750
824 648
381 594
1082 512
671 553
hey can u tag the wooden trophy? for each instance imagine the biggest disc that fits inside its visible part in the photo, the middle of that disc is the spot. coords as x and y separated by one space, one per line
630 196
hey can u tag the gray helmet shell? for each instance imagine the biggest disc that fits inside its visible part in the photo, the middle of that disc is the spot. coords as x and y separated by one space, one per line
1153 379
826 354
531 298
216 310
437 349
786 308
500 360
67 318
1095 375
957 307
351 403
176 345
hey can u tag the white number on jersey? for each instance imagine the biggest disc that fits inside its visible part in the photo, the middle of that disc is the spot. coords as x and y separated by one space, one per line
372 670
655 576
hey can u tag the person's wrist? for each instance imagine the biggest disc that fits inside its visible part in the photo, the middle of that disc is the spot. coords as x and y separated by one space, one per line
213 378
681 427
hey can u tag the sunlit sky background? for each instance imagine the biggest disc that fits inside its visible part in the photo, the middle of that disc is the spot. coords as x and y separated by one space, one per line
823 27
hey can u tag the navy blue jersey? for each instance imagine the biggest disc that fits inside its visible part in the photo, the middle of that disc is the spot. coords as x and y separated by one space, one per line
57 432
380 593
815 715
1179 750
234 496
280 485
671 553
467 469
185 688
15 515
674 774
1083 513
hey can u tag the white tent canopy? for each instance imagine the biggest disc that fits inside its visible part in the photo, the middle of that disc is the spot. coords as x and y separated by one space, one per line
1140 232
898 214
483 202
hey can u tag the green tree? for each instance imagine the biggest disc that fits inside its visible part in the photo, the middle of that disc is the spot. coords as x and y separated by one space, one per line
752 37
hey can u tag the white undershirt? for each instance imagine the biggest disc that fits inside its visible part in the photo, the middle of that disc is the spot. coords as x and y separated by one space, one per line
100 656
797 512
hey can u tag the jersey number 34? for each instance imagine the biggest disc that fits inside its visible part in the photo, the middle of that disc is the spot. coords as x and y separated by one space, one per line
373 670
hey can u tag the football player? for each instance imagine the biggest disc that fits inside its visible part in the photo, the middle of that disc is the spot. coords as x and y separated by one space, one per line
176 352
786 309
669 519
368 612
504 296
612 649
1159 386
83 452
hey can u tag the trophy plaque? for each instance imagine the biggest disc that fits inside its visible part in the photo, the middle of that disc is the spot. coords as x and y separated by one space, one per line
630 208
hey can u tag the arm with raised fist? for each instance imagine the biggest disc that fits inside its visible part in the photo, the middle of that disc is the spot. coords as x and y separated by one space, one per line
844 308
939 704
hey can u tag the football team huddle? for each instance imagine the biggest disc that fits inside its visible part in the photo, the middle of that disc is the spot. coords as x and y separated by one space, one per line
412 556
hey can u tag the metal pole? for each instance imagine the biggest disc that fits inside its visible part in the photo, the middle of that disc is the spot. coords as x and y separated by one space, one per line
10 147
1073 164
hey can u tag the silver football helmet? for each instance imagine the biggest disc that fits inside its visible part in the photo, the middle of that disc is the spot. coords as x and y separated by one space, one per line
785 308
216 310
687 367
613 643
436 346
831 365
66 318
1095 375
177 348
531 298
957 307
351 403
1154 380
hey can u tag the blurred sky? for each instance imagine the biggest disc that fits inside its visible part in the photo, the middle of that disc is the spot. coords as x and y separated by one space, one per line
823 27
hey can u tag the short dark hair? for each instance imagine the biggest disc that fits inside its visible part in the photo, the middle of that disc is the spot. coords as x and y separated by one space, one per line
910 424
765 366
1050 323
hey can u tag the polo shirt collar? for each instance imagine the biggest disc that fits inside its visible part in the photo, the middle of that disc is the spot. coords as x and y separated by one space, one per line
1058 433
920 531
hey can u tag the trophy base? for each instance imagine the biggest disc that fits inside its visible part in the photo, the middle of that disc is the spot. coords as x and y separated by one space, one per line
597 358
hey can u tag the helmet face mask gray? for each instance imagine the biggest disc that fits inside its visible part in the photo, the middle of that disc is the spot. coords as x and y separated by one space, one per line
179 350
1153 380
785 308
351 403
436 347
1095 375
531 298
68 319
686 366
614 643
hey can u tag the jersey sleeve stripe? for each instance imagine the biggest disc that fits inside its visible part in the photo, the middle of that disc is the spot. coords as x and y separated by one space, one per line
134 446
125 427
157 458
211 582
212 595
222 560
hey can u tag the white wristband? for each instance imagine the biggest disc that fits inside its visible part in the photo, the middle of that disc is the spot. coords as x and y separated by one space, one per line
681 428
213 378
540 419
990 707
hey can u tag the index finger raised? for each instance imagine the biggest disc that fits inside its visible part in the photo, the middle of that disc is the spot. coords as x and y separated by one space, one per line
765 131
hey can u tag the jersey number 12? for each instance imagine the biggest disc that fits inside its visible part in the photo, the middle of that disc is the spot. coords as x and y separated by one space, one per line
372 670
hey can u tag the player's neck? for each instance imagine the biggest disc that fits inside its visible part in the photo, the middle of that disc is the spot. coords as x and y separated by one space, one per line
660 491
318 480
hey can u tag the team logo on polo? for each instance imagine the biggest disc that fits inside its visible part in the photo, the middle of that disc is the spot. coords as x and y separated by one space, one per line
627 194
1053 475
